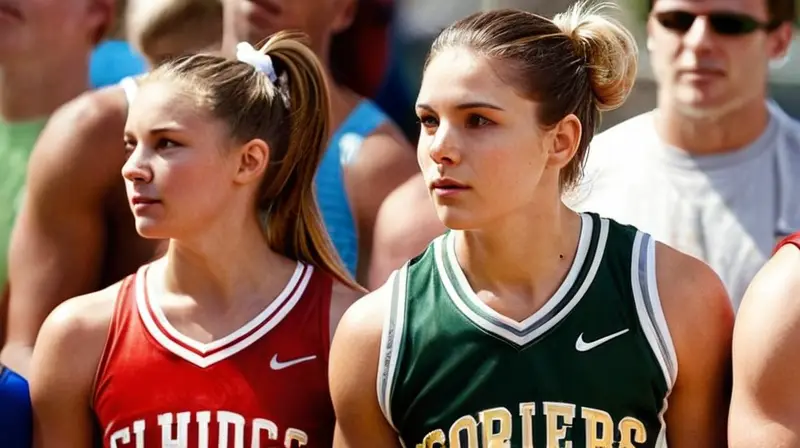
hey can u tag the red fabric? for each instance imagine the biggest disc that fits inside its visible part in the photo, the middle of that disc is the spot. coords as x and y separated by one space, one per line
791 239
154 385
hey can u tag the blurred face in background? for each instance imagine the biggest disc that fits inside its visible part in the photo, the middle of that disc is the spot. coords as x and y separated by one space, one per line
35 29
255 20
710 57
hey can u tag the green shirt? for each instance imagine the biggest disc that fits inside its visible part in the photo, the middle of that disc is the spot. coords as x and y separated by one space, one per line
592 368
16 145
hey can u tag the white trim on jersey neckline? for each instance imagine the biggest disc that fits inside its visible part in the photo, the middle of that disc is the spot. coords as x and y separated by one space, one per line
584 241
488 317
206 354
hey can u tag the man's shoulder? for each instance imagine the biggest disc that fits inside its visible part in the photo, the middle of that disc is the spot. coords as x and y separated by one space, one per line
790 127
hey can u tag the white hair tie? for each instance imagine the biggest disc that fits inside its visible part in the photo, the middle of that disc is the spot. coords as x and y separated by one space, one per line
262 62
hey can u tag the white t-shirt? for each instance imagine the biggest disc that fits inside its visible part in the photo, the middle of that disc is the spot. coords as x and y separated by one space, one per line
727 210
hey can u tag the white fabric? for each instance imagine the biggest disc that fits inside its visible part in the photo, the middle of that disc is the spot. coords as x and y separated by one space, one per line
262 62
727 210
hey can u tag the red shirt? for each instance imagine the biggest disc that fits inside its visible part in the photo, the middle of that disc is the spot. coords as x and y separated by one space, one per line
264 385
791 239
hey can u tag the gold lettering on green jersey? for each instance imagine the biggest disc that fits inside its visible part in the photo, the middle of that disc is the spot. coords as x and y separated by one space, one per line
599 428
631 430
494 428
557 430
466 423
527 411
501 438
432 439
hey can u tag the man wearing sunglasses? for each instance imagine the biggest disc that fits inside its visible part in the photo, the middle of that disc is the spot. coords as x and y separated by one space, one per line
714 170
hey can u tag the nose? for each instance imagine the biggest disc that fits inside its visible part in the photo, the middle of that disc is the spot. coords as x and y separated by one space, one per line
700 36
443 146
136 169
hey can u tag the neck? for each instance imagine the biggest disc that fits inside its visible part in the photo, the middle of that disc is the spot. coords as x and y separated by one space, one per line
224 266
712 134
36 88
525 255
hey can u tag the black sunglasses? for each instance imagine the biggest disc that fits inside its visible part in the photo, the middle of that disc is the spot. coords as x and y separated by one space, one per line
723 23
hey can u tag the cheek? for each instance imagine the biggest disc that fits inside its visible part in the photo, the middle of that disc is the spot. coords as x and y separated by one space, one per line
189 182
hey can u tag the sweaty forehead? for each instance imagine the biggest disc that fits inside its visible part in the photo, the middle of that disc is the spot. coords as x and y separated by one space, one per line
458 75
757 8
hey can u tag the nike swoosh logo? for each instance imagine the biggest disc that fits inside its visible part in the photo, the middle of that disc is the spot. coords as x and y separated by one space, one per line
274 364
583 346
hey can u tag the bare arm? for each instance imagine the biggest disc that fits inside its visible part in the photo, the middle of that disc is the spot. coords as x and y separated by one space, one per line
765 407
353 376
406 224
342 298
59 238
384 161
700 319
63 367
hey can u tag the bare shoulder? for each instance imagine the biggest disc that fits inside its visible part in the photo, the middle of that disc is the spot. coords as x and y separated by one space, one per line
365 316
389 134
81 321
82 129
764 408
361 326
693 296
342 297
768 323
407 222
776 288
386 153
356 346
353 373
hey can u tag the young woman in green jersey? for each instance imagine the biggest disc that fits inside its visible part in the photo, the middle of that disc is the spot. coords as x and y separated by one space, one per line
528 324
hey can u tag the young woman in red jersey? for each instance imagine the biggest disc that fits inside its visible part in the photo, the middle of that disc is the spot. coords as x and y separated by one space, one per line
223 341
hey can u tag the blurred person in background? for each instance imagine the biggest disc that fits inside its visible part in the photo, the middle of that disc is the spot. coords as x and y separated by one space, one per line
361 53
45 47
764 410
75 231
712 171
368 156
406 225
115 58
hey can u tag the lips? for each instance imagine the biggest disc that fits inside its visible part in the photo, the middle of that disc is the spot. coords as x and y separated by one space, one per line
446 183
143 200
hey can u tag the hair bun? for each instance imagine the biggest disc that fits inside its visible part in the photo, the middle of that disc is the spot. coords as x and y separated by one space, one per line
609 49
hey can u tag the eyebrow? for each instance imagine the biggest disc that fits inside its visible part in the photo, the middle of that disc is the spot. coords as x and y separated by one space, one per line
168 127
464 106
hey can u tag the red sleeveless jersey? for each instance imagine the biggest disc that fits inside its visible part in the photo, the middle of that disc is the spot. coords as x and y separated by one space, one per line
791 239
264 385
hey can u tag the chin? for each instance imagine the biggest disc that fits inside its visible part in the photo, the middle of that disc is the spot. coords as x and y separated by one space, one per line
456 219
151 230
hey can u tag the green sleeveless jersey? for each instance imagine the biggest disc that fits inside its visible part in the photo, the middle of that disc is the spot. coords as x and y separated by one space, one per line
592 368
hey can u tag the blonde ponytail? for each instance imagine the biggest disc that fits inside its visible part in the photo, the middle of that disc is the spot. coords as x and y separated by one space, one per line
294 225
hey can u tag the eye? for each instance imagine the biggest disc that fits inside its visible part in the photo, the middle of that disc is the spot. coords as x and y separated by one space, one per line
428 121
477 121
130 146
165 143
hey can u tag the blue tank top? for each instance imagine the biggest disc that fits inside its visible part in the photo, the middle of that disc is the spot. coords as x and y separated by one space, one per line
112 61
331 192
15 411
